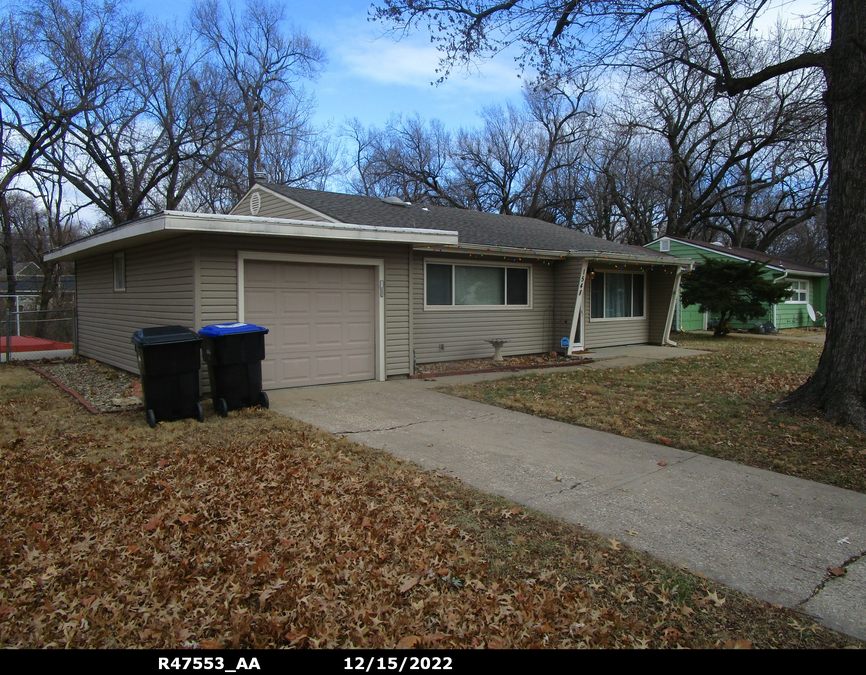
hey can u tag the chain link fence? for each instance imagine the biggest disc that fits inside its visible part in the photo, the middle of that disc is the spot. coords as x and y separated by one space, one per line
27 333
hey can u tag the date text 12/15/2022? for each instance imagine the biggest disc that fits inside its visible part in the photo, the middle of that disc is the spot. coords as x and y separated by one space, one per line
379 663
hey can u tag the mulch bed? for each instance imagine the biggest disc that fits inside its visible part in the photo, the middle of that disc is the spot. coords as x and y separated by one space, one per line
98 387
488 365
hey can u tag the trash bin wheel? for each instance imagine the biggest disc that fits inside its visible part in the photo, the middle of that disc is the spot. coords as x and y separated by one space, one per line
221 407
151 418
199 412
263 400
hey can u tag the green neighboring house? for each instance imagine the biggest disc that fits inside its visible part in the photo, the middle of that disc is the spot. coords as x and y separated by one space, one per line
808 283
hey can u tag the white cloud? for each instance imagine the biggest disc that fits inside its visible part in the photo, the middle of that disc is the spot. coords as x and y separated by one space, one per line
410 64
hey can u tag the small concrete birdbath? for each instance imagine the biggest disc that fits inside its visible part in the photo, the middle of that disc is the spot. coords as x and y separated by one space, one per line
497 348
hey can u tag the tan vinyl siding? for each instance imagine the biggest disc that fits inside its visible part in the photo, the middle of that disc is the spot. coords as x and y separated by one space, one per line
159 291
463 332
612 332
219 285
566 279
660 288
274 206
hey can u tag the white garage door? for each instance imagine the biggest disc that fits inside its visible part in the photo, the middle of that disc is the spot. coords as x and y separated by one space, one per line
321 319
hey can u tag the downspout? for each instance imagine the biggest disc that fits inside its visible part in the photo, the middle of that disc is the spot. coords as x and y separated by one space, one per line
674 299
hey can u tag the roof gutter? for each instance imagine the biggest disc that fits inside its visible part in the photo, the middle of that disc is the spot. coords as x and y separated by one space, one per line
491 250
547 254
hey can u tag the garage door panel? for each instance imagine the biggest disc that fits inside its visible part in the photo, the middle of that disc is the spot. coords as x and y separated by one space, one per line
321 319
329 301
262 273
264 302
295 371
294 275
328 366
358 276
327 335
357 301
269 371
359 333
294 336
360 365
296 302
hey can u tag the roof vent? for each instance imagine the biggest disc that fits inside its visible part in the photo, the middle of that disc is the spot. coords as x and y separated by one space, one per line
718 243
395 201
261 176
255 202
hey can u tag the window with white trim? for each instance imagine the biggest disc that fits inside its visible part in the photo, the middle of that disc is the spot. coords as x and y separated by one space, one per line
665 245
490 286
617 295
801 291
119 271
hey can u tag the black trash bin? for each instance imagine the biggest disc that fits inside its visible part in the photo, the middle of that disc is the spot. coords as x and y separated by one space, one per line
169 359
233 353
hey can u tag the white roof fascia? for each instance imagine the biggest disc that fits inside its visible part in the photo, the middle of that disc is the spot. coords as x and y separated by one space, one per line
508 251
134 229
291 201
800 273
182 222
602 256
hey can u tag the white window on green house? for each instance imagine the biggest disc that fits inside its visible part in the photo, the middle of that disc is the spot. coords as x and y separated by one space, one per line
476 286
617 295
119 272
801 291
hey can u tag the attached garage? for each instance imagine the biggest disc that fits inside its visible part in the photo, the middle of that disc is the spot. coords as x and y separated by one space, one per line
322 319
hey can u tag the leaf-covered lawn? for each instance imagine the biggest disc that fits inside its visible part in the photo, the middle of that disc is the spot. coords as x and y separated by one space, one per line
717 404
259 531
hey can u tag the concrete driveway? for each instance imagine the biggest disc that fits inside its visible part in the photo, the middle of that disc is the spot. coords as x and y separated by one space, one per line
769 535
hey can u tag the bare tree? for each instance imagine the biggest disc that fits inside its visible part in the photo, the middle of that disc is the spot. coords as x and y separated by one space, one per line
409 158
56 64
43 219
566 35
169 120
265 62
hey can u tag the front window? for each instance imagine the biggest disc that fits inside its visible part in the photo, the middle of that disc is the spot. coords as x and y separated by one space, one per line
617 296
450 285
801 291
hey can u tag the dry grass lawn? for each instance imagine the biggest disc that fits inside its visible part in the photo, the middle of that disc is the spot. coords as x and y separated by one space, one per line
717 404
259 531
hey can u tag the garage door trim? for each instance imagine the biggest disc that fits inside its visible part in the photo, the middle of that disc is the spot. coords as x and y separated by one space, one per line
377 263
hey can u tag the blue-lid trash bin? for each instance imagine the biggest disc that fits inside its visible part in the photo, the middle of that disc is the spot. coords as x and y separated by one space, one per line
233 353
169 359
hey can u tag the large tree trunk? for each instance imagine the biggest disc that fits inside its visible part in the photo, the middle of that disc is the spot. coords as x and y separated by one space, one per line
838 386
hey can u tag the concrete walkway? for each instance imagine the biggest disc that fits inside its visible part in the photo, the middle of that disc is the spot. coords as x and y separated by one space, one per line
769 535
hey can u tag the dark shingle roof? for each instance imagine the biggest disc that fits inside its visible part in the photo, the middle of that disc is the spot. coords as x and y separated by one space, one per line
751 254
473 227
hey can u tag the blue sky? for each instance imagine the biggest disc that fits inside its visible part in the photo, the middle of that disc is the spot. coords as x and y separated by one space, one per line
370 77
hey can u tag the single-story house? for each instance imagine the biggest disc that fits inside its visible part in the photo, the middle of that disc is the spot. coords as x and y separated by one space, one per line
809 284
357 288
